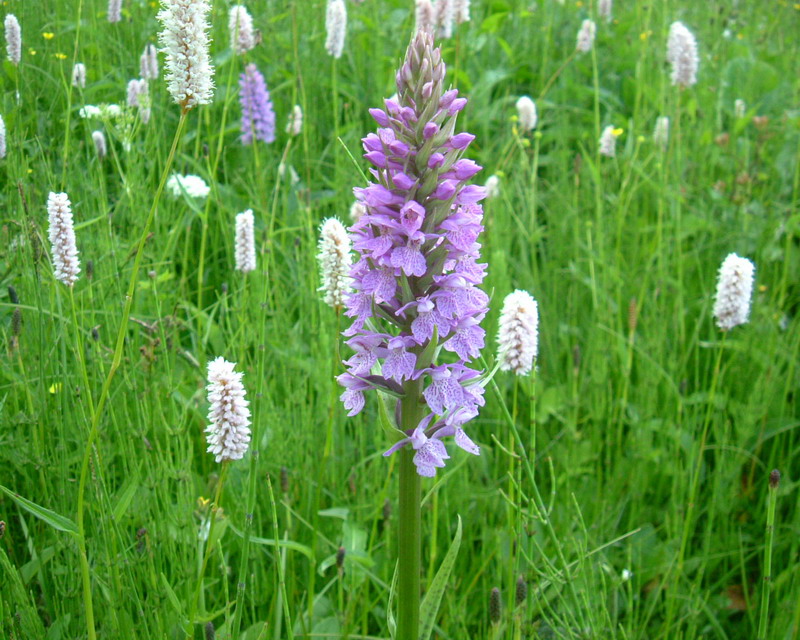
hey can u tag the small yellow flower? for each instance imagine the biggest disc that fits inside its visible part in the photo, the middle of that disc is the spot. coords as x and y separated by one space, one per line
740 36
640 139
30 170
618 132
644 35
579 4
762 288
203 502
60 56
32 51
48 36
797 5
55 387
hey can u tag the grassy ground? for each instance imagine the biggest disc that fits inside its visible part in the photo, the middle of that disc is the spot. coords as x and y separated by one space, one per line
651 434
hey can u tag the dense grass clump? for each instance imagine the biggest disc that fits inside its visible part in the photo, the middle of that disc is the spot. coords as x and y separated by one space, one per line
623 486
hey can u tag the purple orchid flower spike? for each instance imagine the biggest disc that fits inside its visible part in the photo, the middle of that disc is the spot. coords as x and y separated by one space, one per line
416 280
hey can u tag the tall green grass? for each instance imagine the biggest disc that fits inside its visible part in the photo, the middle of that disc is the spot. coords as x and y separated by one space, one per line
654 436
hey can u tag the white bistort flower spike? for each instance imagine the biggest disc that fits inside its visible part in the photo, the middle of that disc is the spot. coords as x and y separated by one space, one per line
445 14
462 11
79 75
608 141
336 27
229 433
245 249
334 262
114 10
62 239
148 63
185 41
526 111
425 16
99 140
13 38
294 125
682 55
518 333
585 39
492 186
661 132
604 9
240 25
734 290
2 138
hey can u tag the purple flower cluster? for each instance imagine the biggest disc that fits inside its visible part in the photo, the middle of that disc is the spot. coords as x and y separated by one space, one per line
416 294
258 118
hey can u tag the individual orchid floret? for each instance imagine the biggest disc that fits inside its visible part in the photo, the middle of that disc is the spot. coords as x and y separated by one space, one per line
604 8
416 303
335 27
99 140
682 55
258 117
586 35
294 124
245 249
185 41
518 335
13 38
114 11
240 25
425 15
228 435
62 239
334 260
148 63
79 75
526 112
734 290
192 186
661 132
608 141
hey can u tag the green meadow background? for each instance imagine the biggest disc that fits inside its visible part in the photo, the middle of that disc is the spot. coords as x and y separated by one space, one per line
651 435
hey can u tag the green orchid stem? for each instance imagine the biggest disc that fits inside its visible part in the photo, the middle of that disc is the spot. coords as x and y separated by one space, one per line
409 524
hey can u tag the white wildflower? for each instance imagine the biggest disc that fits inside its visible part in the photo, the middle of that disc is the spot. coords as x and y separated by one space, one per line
734 289
334 262
604 9
518 333
99 140
682 55
62 239
357 209
2 138
294 124
526 110
240 25
462 11
148 63
445 14
586 36
189 71
739 108
245 250
425 16
229 433
492 186
608 141
661 132
79 75
336 27
114 10
194 186
13 38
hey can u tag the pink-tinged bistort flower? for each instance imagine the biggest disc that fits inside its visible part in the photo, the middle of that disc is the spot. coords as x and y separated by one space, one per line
518 333
734 290
229 433
62 239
